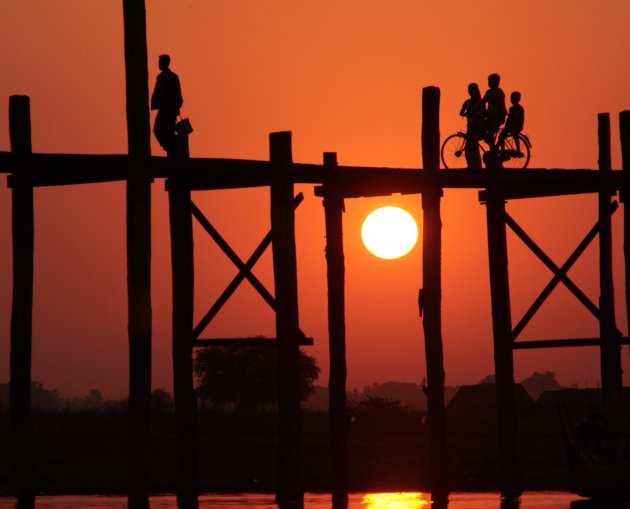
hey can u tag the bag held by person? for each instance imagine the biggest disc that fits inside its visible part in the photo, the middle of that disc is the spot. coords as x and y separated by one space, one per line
183 126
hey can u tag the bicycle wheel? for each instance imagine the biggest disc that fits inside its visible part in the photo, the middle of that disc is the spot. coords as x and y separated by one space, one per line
452 152
518 157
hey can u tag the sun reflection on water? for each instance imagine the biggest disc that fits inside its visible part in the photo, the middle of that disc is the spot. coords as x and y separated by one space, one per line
395 501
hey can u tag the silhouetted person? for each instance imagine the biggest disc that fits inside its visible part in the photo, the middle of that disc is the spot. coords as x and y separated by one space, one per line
494 98
474 111
514 123
167 99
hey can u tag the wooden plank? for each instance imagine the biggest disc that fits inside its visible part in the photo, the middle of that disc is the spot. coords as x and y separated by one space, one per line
335 276
353 181
610 350
23 233
289 465
239 342
564 343
138 251
431 292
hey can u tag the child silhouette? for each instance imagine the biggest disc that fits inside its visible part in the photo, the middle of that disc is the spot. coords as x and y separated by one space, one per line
514 123
495 99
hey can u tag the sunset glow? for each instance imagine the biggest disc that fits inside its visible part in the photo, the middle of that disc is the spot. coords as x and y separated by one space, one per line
389 232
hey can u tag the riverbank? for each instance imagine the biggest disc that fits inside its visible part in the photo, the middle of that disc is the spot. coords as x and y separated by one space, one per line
388 450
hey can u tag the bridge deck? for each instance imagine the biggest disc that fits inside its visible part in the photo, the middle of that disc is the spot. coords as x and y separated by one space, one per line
349 181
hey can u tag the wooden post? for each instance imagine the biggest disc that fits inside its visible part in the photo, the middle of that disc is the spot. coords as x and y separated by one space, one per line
624 132
138 252
333 210
510 473
182 262
289 465
610 350
22 307
431 293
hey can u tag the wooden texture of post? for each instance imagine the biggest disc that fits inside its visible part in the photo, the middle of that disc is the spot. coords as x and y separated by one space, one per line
289 466
22 306
610 350
624 133
182 262
333 211
510 473
431 305
138 251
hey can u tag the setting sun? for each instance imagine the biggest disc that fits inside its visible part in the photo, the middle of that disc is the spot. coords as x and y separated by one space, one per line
389 232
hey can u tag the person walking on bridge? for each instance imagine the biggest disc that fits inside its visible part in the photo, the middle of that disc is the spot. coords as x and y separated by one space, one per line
167 100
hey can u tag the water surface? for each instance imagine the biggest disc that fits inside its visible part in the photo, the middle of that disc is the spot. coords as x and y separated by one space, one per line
530 500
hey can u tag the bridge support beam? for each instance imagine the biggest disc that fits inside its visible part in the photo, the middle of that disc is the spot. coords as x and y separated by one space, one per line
182 263
624 131
289 462
431 293
138 251
22 305
333 210
610 349
510 473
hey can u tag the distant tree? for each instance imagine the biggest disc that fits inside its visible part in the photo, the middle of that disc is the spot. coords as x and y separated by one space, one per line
537 383
246 377
408 394
44 399
94 400
375 405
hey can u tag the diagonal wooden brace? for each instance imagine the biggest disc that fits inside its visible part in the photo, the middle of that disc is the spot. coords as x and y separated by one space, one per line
560 273
244 268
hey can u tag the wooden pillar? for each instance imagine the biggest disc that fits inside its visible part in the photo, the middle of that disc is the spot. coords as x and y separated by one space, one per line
183 305
22 306
138 251
289 464
624 132
333 211
610 350
509 467
431 293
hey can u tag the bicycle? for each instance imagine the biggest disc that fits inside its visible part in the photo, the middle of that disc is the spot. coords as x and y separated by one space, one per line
453 156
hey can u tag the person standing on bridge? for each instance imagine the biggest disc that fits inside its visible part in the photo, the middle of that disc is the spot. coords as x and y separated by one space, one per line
474 111
167 99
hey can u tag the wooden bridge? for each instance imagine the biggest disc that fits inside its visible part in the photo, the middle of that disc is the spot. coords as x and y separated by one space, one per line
334 184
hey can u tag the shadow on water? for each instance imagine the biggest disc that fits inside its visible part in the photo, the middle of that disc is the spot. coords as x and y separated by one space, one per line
510 503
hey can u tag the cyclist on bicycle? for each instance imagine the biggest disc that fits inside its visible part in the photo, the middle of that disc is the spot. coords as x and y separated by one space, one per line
495 99
514 123
475 112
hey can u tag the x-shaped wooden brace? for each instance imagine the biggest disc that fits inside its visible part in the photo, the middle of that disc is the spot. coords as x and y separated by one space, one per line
245 269
560 273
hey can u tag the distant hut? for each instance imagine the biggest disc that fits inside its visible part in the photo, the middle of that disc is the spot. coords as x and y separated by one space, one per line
477 404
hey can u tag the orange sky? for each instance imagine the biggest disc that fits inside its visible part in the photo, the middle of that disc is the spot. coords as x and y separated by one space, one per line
344 76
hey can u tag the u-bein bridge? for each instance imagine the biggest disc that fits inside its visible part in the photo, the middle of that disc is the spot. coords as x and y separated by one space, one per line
334 184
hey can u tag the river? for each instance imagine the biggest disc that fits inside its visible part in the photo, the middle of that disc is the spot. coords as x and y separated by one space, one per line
529 500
